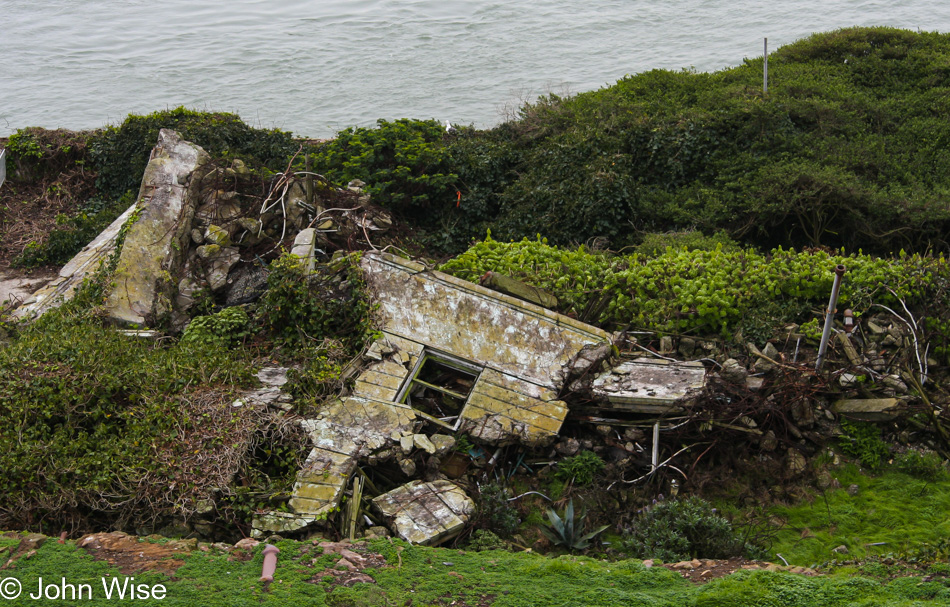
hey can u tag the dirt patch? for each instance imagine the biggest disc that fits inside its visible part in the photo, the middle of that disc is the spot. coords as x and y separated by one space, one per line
348 570
133 555
701 571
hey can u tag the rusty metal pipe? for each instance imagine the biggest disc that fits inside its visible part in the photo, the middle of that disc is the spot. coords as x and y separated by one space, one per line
829 316
270 563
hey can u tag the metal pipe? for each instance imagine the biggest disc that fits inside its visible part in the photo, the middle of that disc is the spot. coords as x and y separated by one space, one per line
654 462
829 316
270 563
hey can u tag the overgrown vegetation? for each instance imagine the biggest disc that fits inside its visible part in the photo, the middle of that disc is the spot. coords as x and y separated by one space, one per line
84 181
498 578
99 426
579 469
704 291
863 441
683 529
847 148
403 163
688 171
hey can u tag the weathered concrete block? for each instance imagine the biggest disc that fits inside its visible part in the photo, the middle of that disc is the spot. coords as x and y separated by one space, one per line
649 385
869 409
426 513
474 323
153 251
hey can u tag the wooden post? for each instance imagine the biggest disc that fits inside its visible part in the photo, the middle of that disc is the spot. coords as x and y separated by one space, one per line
765 68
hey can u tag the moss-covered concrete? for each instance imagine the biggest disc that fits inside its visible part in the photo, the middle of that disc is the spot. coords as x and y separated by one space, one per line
152 255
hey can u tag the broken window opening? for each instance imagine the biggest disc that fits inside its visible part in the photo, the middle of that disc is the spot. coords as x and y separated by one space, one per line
440 387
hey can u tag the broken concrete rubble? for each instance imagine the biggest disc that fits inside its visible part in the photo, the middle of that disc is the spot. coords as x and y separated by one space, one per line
506 376
870 409
426 513
453 357
649 385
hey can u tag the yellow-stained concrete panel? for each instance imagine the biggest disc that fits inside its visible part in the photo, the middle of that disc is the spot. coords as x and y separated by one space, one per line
471 322
426 513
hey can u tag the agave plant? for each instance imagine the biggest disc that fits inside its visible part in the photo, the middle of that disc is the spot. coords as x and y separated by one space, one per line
567 532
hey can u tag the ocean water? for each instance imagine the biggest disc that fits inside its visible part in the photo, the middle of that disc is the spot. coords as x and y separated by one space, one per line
314 67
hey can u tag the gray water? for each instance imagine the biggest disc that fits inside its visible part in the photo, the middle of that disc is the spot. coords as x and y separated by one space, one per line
315 67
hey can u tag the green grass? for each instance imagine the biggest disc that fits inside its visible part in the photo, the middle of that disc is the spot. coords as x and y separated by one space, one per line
434 576
907 514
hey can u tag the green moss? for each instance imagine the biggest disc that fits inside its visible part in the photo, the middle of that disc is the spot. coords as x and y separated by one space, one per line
436 576
890 514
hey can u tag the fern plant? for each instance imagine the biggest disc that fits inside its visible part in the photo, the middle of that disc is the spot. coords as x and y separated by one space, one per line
567 532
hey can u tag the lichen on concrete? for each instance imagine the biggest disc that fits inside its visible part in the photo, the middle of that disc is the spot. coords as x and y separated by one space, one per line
154 246
426 513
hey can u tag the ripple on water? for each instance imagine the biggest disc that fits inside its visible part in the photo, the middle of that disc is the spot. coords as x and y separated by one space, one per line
317 67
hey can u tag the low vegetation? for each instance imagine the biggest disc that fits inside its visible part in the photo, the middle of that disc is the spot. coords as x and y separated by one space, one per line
670 205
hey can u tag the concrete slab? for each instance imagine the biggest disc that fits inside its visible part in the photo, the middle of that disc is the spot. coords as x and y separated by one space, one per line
649 385
426 513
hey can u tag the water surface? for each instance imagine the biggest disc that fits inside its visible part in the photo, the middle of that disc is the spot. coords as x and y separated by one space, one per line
314 67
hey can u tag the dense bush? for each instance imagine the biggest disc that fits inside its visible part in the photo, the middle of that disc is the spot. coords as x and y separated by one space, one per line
579 469
683 529
119 154
98 426
849 148
305 308
219 330
495 513
863 441
927 465
403 164
704 291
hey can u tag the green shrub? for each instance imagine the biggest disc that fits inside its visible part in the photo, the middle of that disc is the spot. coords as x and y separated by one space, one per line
220 330
702 291
36 154
846 150
76 231
403 164
682 529
579 469
119 154
863 441
483 539
97 425
927 465
306 308
319 376
691 240
495 513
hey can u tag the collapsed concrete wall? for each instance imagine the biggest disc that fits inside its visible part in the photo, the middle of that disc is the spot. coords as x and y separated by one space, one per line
453 357
154 246
155 241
